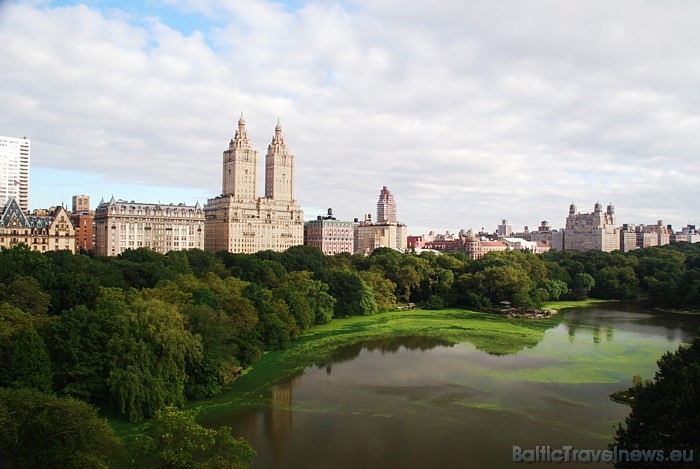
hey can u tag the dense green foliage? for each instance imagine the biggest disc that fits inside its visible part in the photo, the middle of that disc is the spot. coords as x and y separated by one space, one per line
666 411
37 430
174 439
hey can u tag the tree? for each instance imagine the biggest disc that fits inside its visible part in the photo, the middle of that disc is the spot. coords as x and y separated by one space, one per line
353 296
407 279
44 431
78 342
382 287
555 289
505 283
149 354
666 411
616 283
276 327
23 354
583 283
174 439
25 293
308 299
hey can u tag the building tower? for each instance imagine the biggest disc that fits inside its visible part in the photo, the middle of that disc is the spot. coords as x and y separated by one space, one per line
505 229
240 175
14 171
279 169
81 203
239 220
386 207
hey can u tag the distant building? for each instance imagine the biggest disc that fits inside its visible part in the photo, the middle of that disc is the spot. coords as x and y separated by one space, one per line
505 229
370 236
475 245
240 221
644 236
14 171
688 234
122 225
386 207
592 231
83 219
330 235
543 234
519 244
416 241
628 238
488 246
81 203
46 230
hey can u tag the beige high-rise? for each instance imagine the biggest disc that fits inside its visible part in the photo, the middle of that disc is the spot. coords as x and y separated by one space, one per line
241 222
592 231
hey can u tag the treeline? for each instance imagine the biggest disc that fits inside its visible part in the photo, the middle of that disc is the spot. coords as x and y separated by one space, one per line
141 331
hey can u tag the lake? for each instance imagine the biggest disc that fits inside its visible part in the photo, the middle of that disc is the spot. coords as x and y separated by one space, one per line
423 402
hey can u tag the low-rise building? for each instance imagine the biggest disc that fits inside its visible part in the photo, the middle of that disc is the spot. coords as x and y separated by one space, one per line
330 235
370 236
43 231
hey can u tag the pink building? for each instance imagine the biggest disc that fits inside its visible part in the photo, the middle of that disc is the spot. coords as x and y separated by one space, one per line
330 235
386 207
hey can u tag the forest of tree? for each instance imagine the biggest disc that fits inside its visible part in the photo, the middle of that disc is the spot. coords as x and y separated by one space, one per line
138 333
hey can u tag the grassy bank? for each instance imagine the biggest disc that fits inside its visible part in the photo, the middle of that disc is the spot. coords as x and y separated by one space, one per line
559 305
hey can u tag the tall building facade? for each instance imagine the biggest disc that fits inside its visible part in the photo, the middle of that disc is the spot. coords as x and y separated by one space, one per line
122 225
386 207
43 231
14 171
83 220
592 231
239 220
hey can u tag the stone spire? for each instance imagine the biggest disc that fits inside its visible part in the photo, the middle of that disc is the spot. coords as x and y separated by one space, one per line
240 166
279 168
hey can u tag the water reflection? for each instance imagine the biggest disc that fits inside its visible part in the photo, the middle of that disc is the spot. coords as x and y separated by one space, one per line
630 317
279 418
595 331
384 346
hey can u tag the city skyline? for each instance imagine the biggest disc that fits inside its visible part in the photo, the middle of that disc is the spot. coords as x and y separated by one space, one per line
468 112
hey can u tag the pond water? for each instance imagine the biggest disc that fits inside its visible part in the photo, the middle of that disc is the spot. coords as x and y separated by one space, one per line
419 402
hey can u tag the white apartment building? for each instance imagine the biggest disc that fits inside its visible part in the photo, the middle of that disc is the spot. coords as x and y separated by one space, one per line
122 225
14 171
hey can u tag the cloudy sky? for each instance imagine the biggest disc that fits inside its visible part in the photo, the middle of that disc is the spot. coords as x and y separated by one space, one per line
469 111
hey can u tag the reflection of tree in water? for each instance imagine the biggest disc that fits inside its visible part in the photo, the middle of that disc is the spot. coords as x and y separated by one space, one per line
383 345
511 343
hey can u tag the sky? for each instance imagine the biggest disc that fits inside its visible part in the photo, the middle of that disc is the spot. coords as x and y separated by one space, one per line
469 111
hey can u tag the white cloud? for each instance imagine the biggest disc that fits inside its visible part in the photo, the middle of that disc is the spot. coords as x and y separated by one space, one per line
469 111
